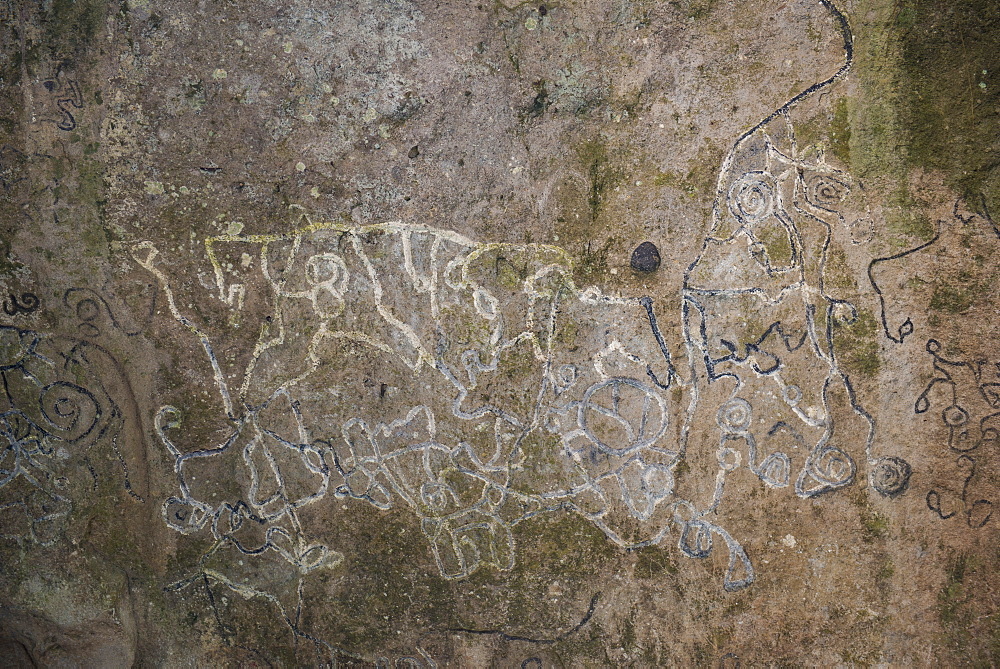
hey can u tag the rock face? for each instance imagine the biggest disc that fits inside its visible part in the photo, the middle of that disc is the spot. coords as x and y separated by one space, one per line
425 334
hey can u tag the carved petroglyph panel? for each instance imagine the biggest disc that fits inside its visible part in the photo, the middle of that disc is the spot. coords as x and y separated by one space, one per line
440 334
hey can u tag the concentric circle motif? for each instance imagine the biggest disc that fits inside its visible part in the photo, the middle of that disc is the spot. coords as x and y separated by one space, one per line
826 191
776 470
751 198
891 476
735 415
833 467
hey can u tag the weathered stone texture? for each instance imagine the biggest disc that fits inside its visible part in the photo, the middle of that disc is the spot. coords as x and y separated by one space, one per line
583 333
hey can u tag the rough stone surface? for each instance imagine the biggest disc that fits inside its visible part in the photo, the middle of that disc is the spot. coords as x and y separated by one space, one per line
320 343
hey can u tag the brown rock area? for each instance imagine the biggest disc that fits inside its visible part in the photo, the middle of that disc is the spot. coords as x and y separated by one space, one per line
401 333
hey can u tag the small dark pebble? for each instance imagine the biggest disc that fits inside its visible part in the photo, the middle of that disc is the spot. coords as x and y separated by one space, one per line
413 153
646 257
542 10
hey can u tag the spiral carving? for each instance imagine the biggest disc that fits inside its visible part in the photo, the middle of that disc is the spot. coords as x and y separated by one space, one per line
71 411
825 191
833 467
891 476
751 198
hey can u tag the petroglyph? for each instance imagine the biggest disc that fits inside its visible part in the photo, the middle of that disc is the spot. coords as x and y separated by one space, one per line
25 304
968 391
60 407
60 95
760 313
746 381
521 427
92 310
547 395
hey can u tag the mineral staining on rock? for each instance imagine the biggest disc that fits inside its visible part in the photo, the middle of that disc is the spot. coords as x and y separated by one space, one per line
645 258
